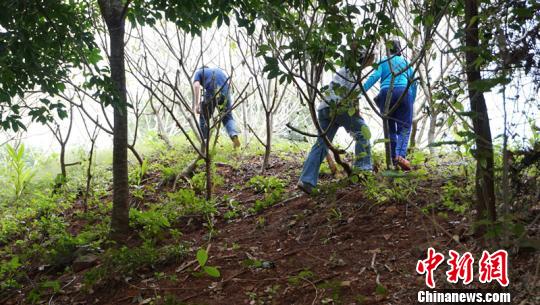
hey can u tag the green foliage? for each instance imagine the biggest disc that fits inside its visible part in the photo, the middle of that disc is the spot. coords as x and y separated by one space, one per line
455 197
269 200
381 290
19 173
336 214
398 187
127 261
158 219
153 222
261 184
137 175
235 209
9 271
36 211
198 181
302 276
272 188
169 173
40 44
202 259
35 295
186 202
335 289
373 189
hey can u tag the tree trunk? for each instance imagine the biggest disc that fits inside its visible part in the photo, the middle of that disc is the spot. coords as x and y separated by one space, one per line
63 162
268 145
485 191
208 169
113 11
89 174
136 154
386 127
432 129
160 129
387 144
414 131
245 123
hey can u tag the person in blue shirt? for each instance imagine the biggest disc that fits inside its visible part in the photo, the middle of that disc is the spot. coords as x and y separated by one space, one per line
215 84
333 112
396 69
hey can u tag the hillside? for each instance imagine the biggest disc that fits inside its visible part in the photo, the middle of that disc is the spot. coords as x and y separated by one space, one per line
352 243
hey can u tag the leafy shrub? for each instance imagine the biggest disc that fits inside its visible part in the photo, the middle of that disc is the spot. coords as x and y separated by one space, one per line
19 173
35 295
186 202
269 200
136 176
453 197
152 221
127 261
235 208
198 181
261 184
399 189
9 271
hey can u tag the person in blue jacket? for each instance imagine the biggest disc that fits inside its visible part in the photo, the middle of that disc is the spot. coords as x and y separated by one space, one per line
216 85
397 69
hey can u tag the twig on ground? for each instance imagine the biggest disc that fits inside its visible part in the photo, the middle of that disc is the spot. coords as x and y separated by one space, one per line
375 268
314 287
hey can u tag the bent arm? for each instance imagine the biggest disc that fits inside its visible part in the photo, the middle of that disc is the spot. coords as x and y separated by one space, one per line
373 78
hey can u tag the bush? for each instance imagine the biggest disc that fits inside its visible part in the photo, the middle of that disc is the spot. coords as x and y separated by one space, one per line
261 184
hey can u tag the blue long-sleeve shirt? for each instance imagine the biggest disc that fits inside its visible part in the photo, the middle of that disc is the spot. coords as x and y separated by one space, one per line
212 80
383 72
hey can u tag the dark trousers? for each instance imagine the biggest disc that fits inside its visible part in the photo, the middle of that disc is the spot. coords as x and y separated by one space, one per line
208 106
400 121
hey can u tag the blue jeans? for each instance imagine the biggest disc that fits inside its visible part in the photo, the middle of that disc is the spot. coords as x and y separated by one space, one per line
353 124
207 110
400 121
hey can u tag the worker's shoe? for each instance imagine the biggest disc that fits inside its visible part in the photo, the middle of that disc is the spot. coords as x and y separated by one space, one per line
236 142
403 163
305 187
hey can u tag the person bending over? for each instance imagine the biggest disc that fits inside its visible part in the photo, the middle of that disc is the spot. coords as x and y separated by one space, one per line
216 86
340 96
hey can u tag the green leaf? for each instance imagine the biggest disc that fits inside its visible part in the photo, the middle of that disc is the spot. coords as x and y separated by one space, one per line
54 285
212 271
365 132
93 56
381 290
393 174
274 73
202 257
485 85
